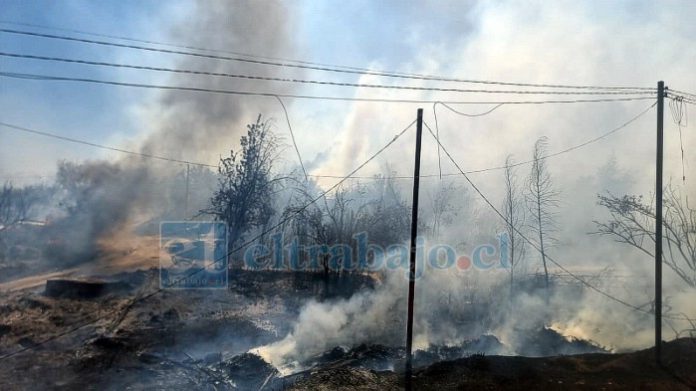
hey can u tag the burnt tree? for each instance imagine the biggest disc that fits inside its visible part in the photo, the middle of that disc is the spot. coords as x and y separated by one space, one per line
542 200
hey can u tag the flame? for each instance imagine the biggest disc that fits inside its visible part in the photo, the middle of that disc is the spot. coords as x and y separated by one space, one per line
273 354
570 331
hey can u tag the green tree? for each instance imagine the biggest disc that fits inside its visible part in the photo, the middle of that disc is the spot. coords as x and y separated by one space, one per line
243 199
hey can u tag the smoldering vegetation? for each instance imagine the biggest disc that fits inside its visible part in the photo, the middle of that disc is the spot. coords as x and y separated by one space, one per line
275 326
92 200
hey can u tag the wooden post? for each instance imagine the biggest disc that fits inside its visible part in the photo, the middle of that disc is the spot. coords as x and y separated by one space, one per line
412 264
658 221
186 199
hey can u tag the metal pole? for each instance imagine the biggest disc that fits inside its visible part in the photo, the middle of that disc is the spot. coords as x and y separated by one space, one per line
658 221
412 266
186 200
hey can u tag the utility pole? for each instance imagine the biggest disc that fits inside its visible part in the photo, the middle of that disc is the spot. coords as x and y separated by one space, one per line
658 221
412 265
186 199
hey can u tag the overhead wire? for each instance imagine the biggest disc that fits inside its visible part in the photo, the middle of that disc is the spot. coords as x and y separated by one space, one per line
689 95
316 82
685 97
534 245
31 76
164 158
77 141
301 209
292 136
214 50
82 323
572 148
450 108
312 67
680 118
689 99
73 327
121 150
437 127
557 153
180 46
437 130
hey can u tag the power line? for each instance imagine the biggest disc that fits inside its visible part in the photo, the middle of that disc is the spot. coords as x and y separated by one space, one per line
122 38
77 141
681 96
557 153
213 50
437 128
317 68
30 76
531 243
139 299
292 136
319 82
73 140
164 158
572 148
680 118
688 94
467 114
283 220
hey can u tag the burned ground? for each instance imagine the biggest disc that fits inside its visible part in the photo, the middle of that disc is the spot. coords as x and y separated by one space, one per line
201 339
173 339
628 371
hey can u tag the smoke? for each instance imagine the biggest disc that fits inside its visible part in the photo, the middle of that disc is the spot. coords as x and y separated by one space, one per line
96 198
450 307
454 306
104 197
365 317
200 125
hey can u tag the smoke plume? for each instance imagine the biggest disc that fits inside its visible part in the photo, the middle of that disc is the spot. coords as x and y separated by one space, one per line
101 197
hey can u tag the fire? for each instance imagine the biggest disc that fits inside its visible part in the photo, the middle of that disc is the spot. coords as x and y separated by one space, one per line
273 354
570 331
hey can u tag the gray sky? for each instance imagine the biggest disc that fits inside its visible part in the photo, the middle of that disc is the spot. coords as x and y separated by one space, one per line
603 43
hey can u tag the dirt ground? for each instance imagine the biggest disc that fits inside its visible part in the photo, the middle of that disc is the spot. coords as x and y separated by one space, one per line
629 371
200 339
194 339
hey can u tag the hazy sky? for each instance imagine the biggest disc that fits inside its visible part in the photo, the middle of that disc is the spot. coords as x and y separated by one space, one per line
604 43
